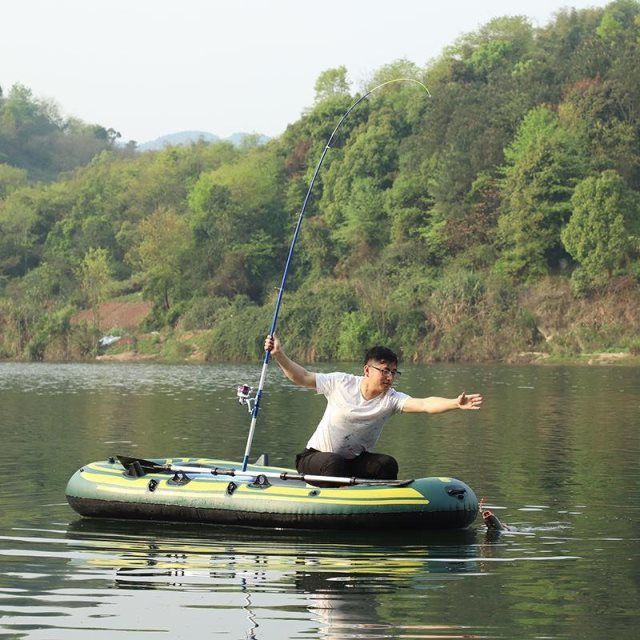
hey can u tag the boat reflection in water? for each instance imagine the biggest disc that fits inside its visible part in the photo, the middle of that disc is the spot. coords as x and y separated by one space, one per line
261 582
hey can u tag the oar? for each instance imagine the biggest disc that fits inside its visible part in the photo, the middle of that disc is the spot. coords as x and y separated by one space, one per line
153 467
267 354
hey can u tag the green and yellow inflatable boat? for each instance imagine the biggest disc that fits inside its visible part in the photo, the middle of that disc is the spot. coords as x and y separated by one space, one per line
214 491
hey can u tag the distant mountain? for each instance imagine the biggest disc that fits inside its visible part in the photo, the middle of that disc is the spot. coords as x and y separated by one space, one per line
238 138
176 139
188 137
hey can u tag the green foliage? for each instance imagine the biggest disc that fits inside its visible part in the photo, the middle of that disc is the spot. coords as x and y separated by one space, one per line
353 198
51 327
544 162
356 334
162 254
239 332
311 317
95 279
365 219
332 82
475 317
581 284
11 178
388 73
430 221
616 18
202 312
597 109
36 138
85 340
237 221
603 234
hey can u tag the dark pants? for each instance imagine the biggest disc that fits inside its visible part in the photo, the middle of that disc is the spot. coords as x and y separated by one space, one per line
373 466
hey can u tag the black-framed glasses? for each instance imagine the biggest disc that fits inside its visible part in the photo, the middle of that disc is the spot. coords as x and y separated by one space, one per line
387 372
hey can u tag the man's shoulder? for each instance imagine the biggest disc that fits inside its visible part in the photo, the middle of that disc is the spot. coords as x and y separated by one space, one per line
397 399
327 381
338 375
395 393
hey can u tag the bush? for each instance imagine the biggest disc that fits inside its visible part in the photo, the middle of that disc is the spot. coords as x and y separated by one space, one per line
634 347
475 318
84 340
581 283
201 313
175 351
239 332
356 335
311 319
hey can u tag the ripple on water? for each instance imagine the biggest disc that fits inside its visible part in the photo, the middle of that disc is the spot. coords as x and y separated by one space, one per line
48 378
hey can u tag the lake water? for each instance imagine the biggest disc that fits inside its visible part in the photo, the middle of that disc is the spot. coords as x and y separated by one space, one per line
555 450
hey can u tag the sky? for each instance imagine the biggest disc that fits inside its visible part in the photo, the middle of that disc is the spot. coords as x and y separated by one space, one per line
152 67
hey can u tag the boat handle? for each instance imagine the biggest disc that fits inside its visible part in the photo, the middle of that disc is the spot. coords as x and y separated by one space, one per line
261 482
456 491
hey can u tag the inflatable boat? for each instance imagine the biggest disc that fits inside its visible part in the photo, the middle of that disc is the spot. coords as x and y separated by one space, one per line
214 491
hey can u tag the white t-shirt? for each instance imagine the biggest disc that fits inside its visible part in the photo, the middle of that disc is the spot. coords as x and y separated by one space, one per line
351 424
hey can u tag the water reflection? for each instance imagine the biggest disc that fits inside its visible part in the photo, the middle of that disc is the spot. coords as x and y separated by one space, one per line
338 581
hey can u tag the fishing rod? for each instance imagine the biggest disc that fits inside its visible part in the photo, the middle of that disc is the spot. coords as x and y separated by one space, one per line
244 391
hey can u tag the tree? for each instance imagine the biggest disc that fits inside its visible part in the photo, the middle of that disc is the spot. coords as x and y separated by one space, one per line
401 68
603 233
19 245
598 108
616 19
161 255
332 82
497 47
95 279
365 219
544 163
353 198
237 218
11 178
35 136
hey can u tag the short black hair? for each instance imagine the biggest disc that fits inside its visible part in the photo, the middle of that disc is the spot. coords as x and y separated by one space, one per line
381 354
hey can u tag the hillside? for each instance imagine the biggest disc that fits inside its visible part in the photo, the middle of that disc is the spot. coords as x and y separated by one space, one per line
497 220
38 143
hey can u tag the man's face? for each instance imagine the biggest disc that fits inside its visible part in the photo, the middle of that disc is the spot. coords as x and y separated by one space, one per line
381 374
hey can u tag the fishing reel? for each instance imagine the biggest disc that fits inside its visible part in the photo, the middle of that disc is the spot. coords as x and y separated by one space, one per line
244 396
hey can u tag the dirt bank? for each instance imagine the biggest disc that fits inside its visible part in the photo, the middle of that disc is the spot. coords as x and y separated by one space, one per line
113 314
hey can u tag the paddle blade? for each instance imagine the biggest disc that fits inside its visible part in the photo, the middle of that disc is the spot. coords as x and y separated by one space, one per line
147 465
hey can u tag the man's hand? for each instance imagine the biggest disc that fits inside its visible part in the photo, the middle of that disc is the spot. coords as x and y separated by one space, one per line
272 344
297 374
471 401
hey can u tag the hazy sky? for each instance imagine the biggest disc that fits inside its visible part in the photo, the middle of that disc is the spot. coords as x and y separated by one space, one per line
150 67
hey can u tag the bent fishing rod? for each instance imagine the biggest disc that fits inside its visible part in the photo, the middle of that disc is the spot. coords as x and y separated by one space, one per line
244 391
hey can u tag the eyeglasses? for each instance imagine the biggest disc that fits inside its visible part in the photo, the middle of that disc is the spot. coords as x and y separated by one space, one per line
392 373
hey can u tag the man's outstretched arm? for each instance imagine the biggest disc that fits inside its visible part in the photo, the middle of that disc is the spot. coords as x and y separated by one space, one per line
440 405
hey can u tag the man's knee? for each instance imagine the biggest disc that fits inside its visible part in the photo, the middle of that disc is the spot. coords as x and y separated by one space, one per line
321 463
377 466
387 466
332 464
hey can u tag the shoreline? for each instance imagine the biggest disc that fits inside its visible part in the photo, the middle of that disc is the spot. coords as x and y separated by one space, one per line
535 358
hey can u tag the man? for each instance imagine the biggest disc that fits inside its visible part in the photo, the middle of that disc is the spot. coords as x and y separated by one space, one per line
357 408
